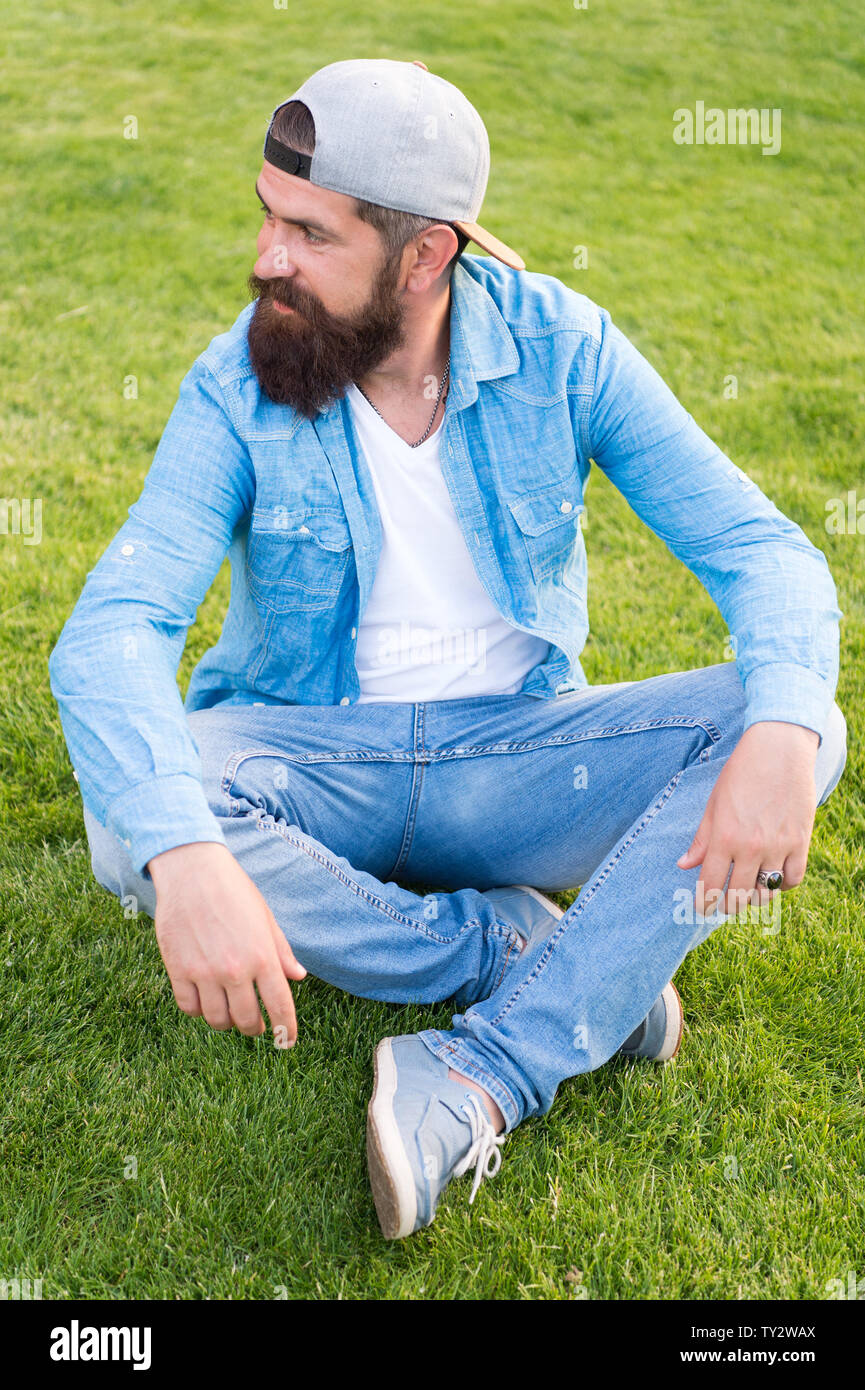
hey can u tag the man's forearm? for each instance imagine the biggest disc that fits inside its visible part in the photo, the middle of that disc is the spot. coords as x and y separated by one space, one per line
137 764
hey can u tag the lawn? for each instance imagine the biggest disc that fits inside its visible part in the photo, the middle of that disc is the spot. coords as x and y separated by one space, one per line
145 1155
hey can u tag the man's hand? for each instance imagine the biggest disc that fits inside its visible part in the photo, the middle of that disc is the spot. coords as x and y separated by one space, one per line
759 815
219 939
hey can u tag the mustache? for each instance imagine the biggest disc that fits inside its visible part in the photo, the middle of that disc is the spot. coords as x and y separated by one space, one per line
286 293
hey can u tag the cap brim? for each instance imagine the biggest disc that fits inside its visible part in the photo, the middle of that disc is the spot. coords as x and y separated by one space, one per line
492 244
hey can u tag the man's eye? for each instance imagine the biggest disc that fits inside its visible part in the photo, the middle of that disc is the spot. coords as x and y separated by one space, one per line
309 236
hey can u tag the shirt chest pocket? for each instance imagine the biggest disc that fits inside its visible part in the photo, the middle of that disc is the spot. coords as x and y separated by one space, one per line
549 522
296 558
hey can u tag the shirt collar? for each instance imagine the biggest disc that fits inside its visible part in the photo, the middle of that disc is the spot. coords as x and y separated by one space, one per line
481 343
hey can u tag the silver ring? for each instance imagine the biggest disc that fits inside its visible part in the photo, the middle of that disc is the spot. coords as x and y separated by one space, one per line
770 878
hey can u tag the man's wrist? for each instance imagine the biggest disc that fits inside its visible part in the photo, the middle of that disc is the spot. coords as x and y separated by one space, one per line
781 731
183 859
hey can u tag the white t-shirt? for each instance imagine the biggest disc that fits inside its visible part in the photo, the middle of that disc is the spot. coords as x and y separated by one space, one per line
429 631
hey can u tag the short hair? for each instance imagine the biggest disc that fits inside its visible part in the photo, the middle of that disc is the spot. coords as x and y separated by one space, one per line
293 125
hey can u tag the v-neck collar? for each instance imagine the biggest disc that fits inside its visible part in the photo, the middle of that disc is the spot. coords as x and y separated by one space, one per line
372 413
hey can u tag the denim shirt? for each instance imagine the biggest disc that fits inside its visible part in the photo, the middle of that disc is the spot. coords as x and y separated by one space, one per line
542 383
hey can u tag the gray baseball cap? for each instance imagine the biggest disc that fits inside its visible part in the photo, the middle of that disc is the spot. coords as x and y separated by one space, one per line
395 134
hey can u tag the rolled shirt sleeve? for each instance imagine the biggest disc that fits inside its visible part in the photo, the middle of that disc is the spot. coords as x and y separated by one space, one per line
113 670
771 585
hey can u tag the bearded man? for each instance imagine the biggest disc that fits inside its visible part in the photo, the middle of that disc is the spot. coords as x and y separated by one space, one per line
392 445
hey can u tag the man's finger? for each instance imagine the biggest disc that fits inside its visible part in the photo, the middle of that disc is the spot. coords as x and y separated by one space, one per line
214 1005
694 853
186 997
243 1006
716 866
794 867
742 885
287 959
276 998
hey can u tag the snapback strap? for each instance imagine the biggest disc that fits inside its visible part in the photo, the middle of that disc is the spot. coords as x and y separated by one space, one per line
285 158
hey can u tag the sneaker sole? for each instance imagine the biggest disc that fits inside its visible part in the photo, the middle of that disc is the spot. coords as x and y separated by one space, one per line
672 999
390 1174
675 1024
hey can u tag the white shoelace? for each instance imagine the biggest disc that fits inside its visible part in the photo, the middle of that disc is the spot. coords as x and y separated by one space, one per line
485 1149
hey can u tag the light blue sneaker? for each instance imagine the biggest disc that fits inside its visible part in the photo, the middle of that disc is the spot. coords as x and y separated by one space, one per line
423 1128
534 916
659 1036
529 912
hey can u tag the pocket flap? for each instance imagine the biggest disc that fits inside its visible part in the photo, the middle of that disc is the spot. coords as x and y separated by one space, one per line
327 526
552 506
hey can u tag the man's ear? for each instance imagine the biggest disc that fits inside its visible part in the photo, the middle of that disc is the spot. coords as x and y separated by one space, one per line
430 252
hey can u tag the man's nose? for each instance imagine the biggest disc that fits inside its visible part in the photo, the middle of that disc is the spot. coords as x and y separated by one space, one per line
275 263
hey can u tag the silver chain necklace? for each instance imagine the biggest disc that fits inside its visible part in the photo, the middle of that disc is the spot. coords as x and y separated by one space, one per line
435 407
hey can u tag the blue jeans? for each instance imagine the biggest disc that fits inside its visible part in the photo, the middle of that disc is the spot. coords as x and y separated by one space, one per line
325 806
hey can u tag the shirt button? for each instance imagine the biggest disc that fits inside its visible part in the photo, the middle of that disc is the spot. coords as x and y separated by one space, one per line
344 700
354 632
566 506
128 843
304 528
127 549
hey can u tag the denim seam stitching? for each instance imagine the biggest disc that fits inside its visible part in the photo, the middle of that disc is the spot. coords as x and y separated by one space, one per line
410 820
464 751
501 973
358 755
482 749
234 761
269 823
679 721
417 782
491 1083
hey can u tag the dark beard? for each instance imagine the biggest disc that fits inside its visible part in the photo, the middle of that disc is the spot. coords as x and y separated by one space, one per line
309 358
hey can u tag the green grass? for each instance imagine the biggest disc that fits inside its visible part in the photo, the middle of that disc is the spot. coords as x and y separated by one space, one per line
715 260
